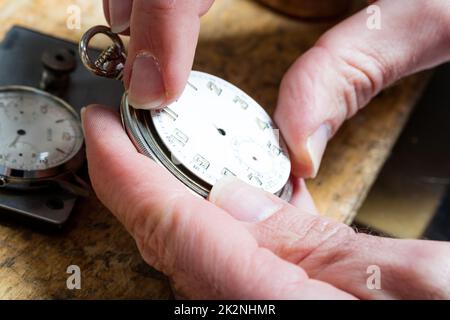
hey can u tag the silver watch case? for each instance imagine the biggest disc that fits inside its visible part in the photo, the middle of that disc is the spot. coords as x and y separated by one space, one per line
140 128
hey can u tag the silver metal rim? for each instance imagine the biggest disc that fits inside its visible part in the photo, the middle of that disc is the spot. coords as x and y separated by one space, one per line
26 177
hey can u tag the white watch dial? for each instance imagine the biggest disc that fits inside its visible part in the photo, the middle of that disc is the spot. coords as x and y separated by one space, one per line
37 132
215 129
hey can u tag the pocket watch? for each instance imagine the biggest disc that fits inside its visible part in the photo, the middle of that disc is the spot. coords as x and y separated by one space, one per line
213 130
41 147
41 137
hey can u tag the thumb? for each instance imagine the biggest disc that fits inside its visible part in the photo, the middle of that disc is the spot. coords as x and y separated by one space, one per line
349 65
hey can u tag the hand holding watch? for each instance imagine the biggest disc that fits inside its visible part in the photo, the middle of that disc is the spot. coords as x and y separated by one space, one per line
213 130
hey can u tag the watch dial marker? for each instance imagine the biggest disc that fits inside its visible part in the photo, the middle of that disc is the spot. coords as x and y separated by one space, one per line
254 180
214 88
180 136
274 149
262 124
201 162
241 102
66 136
192 86
227 173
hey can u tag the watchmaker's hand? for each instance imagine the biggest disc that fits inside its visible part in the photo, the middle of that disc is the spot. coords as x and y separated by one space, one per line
245 243
349 65
162 44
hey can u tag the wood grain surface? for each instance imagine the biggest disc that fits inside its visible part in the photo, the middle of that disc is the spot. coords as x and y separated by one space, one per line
245 43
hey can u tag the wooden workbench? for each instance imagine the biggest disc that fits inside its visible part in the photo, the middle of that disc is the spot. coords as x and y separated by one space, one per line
246 44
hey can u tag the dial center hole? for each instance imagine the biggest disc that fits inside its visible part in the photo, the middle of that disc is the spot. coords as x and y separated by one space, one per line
221 131
21 132
255 158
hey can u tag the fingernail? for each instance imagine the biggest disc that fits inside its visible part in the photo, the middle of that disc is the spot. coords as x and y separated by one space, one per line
316 145
146 85
242 201
119 15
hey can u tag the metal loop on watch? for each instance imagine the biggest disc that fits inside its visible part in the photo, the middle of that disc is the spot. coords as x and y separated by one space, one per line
110 63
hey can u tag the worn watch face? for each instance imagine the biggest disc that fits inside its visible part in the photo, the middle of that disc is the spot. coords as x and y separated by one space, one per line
216 130
37 130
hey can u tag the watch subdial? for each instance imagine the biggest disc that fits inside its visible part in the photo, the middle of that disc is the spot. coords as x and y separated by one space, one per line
20 155
257 163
